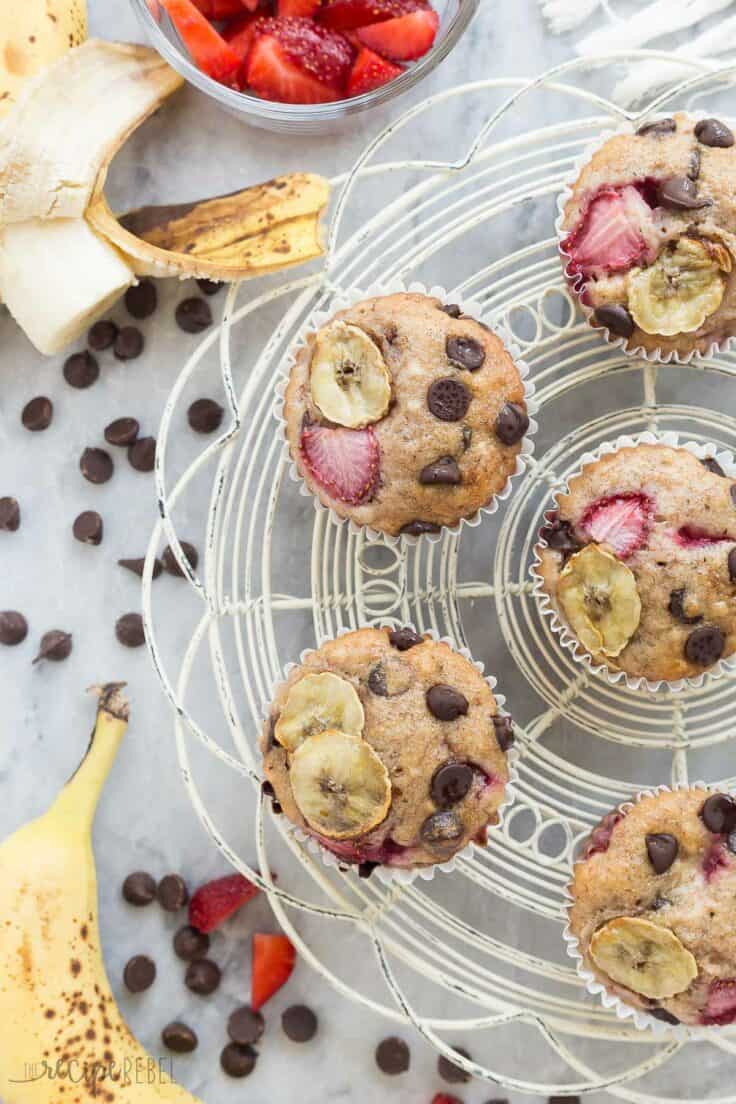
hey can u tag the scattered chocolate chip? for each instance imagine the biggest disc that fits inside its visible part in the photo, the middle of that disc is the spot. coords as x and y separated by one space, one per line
564 1100
676 607
448 399
96 465
203 976
705 645
142 454
205 415
445 703
266 788
13 627
406 638
693 168
418 528
238 1061
512 423
209 287
102 335
365 869
9 514
451 783
444 471
139 974
451 1073
141 300
452 309
559 536
711 464
718 813
504 729
123 431
172 893
663 1015
169 559
55 645
139 889
193 315
88 528
657 128
129 630
662 850
465 352
129 343
714 133
732 565
136 566
276 808
679 193
37 414
616 319
444 827
467 438
179 1038
393 1056
299 1023
81 370
245 1026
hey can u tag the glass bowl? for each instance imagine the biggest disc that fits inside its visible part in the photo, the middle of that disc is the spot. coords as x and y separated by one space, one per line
455 15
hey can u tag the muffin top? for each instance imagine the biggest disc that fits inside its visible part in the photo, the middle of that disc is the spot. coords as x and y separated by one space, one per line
649 235
405 415
388 748
640 561
653 906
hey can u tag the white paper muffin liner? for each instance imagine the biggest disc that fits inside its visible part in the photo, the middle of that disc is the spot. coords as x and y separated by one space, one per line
398 875
641 1019
549 609
342 301
576 281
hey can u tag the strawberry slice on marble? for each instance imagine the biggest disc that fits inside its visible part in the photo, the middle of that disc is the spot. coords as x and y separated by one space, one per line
721 1006
344 462
621 521
612 234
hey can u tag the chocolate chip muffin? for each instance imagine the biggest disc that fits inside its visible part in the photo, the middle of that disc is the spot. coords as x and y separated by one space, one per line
405 415
652 906
388 748
648 236
639 562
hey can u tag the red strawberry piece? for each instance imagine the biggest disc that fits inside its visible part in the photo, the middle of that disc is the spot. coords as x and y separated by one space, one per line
721 1006
241 34
214 903
621 521
445 1098
346 15
609 236
319 52
251 5
690 536
715 860
272 75
345 462
208 49
305 8
404 39
370 71
274 959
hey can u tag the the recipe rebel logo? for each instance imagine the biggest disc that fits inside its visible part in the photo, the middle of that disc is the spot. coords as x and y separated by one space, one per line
144 1070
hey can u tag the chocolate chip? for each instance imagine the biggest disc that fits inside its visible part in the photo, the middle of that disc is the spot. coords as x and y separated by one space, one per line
13 627
205 415
705 645
55 645
465 352
418 528
139 889
142 454
276 809
564 1100
209 287
238 1061
657 128
266 788
193 315
732 565
136 566
169 560
616 318
81 370
718 813
452 309
559 536
129 630
693 168
190 944
377 681
714 133
96 465
102 335
129 343
679 193
123 431
139 973
203 976
37 414
662 850
504 729
9 514
141 300
451 783
299 1023
406 638
444 827
451 1073
676 607
172 893
445 703
88 528
245 1026
443 471
511 423
711 464
393 1056
179 1038
448 399
663 1015
365 869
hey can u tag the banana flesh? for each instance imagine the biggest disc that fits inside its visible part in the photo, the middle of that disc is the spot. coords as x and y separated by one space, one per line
316 703
644 957
348 378
33 35
681 289
600 600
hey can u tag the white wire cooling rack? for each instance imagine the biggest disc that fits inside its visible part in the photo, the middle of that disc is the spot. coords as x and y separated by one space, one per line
485 942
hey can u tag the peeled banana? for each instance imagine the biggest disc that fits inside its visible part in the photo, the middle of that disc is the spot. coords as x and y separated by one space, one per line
316 703
349 380
681 289
342 788
600 600
33 33
646 958
63 1038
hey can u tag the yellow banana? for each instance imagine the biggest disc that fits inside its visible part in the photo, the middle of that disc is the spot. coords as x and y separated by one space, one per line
32 34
